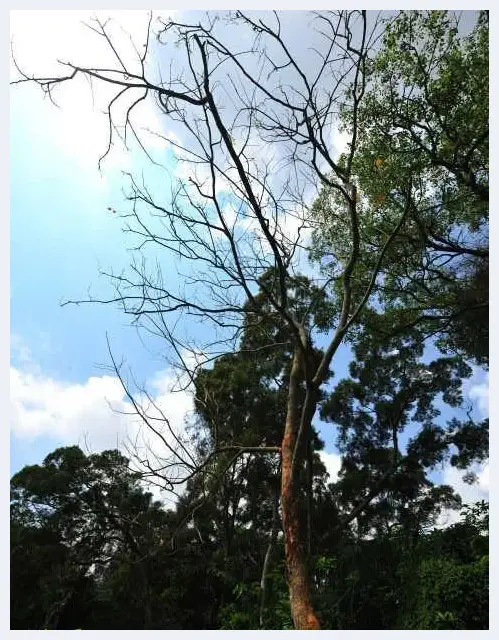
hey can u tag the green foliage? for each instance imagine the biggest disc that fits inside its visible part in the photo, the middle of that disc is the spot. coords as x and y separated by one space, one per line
392 390
450 595
437 581
394 580
423 128
243 611
71 516
91 549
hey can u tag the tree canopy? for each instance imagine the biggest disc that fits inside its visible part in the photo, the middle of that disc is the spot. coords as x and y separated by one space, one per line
396 232
90 549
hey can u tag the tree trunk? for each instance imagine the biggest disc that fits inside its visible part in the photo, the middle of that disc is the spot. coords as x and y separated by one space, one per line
300 590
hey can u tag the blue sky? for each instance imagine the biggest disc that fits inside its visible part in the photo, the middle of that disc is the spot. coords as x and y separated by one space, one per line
61 234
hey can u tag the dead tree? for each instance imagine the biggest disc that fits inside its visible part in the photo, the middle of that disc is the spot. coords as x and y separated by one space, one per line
253 124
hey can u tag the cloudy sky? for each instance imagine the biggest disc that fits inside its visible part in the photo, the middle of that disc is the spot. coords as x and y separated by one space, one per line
62 233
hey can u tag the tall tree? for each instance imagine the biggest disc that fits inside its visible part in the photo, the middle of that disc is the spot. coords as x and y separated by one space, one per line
424 119
228 103
70 516
196 226
390 399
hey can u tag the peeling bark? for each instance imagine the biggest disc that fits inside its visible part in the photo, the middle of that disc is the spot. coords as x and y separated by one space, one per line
300 588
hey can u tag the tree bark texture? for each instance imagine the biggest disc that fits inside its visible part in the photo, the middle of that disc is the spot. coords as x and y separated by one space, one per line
300 588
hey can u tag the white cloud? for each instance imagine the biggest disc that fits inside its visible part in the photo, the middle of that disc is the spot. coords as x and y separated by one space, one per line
332 462
470 493
484 478
42 406
340 141
480 393
96 412
476 388
79 130
45 36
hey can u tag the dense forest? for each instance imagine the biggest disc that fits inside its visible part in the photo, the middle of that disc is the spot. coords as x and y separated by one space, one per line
90 549
388 257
